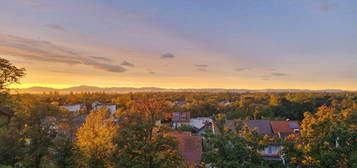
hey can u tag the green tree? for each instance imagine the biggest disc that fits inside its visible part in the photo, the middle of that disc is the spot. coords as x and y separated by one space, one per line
188 128
233 148
32 131
12 148
65 153
9 73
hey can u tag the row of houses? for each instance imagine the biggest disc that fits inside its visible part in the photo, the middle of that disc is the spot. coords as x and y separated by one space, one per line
190 143
199 124
192 150
112 107
95 106
281 129
182 103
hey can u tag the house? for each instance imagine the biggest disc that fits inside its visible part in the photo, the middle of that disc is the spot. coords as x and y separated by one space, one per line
283 129
111 107
73 107
180 118
78 121
66 127
224 103
263 128
200 124
249 98
190 147
272 152
5 114
52 122
180 103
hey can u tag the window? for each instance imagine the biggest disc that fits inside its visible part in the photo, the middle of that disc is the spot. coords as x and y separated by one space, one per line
270 150
293 126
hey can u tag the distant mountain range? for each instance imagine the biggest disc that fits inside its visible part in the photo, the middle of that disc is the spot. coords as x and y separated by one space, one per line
37 90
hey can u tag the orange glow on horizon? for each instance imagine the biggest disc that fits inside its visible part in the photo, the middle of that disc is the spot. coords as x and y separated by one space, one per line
63 86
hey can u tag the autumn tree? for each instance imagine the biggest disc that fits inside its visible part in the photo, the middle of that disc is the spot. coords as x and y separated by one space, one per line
328 139
95 139
141 143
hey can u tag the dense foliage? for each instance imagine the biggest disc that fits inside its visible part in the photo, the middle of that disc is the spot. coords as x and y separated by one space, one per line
232 148
242 105
328 139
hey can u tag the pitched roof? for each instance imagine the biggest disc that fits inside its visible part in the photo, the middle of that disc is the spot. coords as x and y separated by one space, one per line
179 133
181 102
262 126
181 117
284 128
189 146
224 102
5 112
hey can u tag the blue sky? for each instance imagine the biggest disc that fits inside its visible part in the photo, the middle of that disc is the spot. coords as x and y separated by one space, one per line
253 44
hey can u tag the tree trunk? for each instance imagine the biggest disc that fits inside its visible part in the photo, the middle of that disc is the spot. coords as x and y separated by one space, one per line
38 161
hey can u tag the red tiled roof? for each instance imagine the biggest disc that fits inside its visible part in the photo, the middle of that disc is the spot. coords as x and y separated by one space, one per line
180 133
284 127
189 146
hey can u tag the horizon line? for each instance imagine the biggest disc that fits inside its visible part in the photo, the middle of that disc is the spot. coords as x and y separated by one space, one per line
187 88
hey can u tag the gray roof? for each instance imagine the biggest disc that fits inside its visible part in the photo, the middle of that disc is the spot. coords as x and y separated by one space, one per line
6 112
262 127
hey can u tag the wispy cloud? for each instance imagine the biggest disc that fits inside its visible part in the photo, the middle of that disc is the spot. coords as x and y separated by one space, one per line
150 71
167 56
128 64
279 74
265 76
58 71
202 69
241 69
46 51
326 5
32 3
101 58
55 27
201 65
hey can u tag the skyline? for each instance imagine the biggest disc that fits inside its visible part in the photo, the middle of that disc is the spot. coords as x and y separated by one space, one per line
277 44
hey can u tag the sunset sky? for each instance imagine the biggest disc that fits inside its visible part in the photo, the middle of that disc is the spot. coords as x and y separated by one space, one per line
251 44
